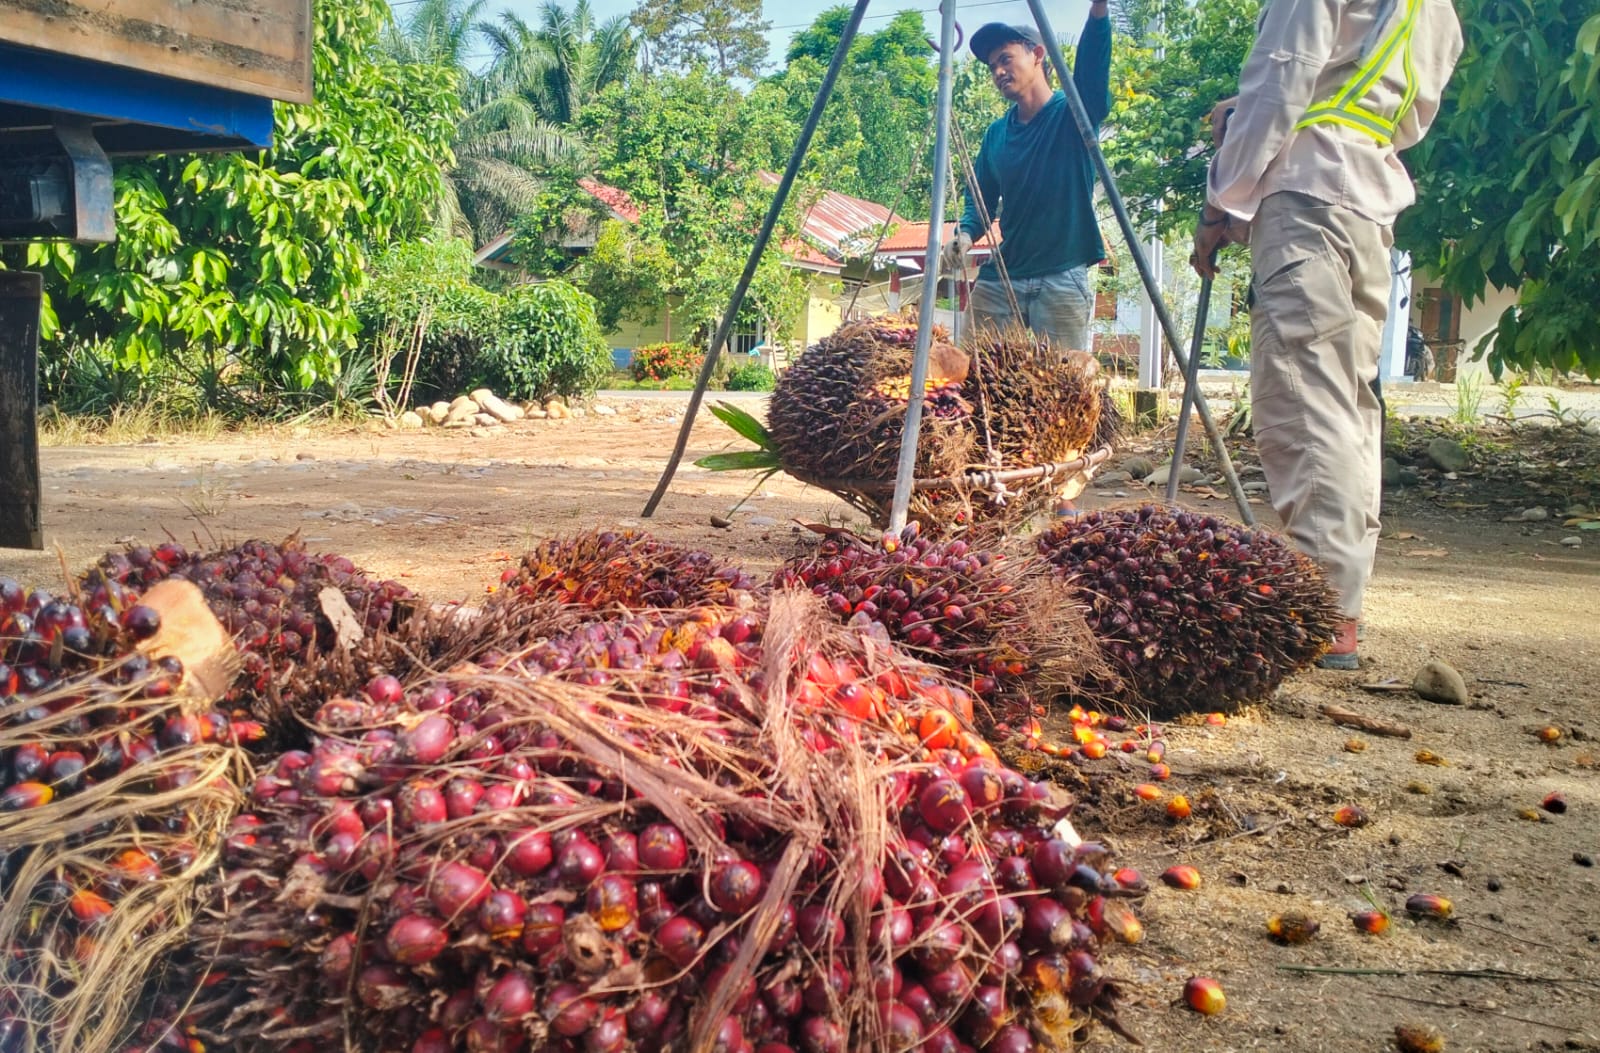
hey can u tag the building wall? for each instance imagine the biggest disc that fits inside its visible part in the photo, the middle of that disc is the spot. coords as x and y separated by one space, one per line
823 313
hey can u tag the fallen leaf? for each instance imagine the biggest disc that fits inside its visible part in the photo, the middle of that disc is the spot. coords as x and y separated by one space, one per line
1426 552
1390 684
1462 506
1404 535
347 629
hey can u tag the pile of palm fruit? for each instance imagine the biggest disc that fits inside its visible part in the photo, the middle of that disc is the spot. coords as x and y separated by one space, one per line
579 819
1005 401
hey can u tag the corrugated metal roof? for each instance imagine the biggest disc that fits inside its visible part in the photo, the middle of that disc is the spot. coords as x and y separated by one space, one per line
840 225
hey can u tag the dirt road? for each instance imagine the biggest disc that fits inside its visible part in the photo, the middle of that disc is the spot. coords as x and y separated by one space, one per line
1514 610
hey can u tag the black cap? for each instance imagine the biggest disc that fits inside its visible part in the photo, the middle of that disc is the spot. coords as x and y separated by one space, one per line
991 36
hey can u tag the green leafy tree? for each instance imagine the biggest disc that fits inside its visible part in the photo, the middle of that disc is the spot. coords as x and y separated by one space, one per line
689 150
874 138
1508 182
727 35
236 271
1171 64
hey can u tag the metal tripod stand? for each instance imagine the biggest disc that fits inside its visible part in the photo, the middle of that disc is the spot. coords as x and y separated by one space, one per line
941 173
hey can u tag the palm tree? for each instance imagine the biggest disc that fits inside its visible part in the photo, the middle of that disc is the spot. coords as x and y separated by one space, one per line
517 112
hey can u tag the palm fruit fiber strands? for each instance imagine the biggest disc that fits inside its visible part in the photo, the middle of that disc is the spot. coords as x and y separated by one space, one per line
629 569
1195 611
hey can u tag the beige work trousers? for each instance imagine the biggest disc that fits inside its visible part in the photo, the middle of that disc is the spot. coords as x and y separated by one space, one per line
1320 289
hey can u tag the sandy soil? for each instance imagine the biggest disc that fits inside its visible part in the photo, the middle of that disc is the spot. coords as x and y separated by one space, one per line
1506 604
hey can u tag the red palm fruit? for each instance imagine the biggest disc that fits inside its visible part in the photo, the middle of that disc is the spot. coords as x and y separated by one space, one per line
1178 809
1292 927
502 915
1183 876
1204 995
1417 1038
944 806
528 854
680 939
1013 1038
461 796
1423 905
568 1012
509 999
24 796
338 958
455 889
736 887
419 804
983 786
382 988
1374 922
433 1040
621 851
1351 816
820 929
610 1035
141 622
1554 803
429 740
385 690
579 862
89 908
133 866
613 901
1130 879
542 927
414 939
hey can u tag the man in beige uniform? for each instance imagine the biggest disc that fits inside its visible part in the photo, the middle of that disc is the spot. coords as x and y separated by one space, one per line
1308 174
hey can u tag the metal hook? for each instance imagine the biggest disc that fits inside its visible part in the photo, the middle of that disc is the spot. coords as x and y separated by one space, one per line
961 35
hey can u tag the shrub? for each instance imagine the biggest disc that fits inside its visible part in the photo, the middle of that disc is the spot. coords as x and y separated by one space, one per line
752 377
429 285
548 343
664 361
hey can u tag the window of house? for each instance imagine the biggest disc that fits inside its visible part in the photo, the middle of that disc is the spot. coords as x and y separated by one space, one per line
746 339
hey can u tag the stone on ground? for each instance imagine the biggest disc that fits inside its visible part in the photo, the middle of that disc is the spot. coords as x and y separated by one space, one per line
1187 474
1138 467
1439 682
438 412
497 407
410 419
1447 455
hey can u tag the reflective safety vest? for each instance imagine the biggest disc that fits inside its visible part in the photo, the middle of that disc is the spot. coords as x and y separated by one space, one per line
1345 107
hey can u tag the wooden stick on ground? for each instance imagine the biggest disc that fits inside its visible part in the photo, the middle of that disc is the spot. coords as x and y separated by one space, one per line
1350 718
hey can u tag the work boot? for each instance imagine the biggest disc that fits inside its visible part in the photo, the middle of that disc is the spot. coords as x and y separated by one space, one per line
1342 655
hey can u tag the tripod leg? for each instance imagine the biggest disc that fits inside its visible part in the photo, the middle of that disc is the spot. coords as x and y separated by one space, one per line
781 195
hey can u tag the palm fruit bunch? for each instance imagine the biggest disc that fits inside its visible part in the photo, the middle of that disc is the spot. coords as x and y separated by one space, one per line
627 568
1031 406
994 621
1194 610
268 596
671 830
113 792
839 411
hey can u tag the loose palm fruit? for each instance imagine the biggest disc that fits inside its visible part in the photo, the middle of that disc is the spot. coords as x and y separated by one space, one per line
1204 995
1354 745
1147 791
1183 876
1415 1038
1430 757
1554 803
1373 922
1292 927
1549 733
1423 905
1351 816
1178 807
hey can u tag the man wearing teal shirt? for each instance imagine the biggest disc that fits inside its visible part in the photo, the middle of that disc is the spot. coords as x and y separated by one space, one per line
1034 175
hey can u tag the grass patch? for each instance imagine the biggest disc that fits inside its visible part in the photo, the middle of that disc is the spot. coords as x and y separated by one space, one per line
126 425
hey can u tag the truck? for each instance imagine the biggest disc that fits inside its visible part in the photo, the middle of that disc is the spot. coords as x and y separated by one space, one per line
82 82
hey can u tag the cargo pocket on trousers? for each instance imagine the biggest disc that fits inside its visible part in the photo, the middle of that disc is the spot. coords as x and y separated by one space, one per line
1306 300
